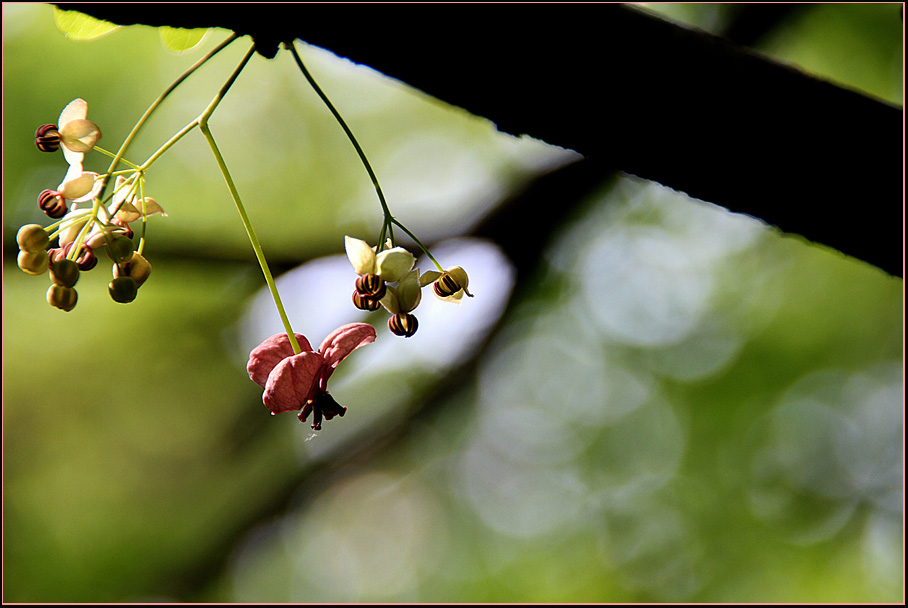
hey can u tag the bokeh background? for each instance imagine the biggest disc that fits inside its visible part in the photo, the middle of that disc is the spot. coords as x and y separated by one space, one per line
677 404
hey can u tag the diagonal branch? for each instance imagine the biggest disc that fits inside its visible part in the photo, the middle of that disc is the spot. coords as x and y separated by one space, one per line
635 92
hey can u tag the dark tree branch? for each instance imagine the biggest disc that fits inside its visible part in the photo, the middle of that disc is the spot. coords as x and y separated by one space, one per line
634 92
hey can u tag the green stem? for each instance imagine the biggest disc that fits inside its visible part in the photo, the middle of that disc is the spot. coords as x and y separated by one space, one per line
259 254
351 137
141 246
418 242
206 114
135 130
96 204
389 221
68 220
250 232
112 155
170 142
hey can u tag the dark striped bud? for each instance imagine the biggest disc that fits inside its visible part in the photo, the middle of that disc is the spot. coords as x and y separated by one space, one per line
52 204
403 325
61 297
446 286
63 272
371 286
47 138
364 303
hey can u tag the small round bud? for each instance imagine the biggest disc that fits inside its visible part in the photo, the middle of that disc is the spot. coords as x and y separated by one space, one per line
62 297
33 263
64 272
32 237
451 281
445 286
403 325
47 138
123 290
52 204
371 286
138 269
364 303
120 249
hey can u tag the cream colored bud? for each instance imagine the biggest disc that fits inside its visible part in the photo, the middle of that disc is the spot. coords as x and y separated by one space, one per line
151 207
33 263
360 255
32 237
392 264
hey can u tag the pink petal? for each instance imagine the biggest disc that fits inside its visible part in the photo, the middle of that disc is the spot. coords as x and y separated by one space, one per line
343 341
269 353
293 382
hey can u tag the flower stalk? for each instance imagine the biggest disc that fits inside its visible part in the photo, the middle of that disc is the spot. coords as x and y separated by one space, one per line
202 122
154 105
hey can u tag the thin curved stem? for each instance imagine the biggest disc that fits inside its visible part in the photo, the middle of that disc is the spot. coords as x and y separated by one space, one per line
144 118
112 155
418 242
179 135
350 136
202 122
259 254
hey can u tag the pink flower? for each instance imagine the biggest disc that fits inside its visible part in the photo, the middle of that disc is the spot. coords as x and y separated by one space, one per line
293 382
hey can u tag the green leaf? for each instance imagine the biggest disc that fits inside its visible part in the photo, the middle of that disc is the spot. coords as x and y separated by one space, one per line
179 40
79 26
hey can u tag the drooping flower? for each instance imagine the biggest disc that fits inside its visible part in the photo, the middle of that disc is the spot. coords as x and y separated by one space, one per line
400 301
390 264
450 285
375 270
73 131
77 186
124 205
300 381
123 209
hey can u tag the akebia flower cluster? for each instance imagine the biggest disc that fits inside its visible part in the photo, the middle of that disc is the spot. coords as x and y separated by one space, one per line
387 279
92 211
80 232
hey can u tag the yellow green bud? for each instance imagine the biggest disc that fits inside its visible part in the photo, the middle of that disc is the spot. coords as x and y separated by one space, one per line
123 290
62 297
64 272
120 249
33 263
32 238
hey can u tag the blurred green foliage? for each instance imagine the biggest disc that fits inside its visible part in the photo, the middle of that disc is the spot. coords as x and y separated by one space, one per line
687 405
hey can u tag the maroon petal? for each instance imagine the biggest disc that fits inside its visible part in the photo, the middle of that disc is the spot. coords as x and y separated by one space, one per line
293 382
269 353
343 341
